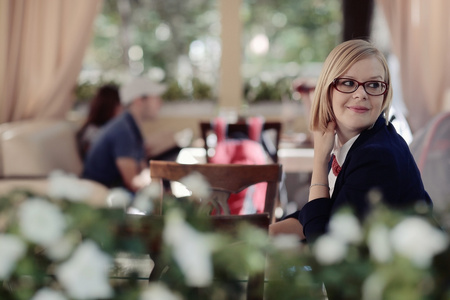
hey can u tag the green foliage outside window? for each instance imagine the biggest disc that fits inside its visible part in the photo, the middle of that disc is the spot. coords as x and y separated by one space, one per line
179 41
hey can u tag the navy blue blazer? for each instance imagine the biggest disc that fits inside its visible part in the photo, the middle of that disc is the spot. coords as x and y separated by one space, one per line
379 159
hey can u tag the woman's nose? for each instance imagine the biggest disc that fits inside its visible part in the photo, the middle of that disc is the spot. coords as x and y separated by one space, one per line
361 92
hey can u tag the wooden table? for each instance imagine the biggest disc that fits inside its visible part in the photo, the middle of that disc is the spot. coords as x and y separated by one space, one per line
294 160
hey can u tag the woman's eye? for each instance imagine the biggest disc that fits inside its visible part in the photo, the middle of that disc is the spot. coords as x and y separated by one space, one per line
348 83
373 85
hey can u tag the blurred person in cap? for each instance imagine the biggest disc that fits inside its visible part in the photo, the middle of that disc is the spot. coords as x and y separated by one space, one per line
118 155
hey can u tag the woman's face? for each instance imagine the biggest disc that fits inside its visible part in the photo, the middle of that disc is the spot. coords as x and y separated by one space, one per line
358 110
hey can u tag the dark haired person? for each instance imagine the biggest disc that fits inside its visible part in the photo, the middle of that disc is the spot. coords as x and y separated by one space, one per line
104 106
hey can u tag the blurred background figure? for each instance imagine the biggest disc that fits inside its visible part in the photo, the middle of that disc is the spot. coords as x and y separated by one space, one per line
118 157
305 87
104 106
431 150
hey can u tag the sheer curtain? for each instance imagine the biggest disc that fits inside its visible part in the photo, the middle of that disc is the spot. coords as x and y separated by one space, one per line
420 39
42 48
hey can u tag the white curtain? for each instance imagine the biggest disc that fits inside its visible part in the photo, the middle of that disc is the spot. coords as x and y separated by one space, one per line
42 48
420 39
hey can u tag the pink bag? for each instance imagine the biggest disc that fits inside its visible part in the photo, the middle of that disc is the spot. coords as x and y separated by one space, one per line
242 151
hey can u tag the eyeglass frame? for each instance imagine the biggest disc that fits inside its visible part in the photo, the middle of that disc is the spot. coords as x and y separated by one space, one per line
360 84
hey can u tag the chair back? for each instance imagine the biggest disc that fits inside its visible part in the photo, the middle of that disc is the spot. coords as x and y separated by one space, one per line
224 179
270 146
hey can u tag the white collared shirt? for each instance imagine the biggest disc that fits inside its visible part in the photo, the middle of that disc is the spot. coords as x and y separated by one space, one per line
341 153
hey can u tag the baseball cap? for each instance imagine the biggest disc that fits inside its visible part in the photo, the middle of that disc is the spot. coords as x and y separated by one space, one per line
140 86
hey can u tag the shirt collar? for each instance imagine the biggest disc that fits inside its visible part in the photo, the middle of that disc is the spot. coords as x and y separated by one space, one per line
341 151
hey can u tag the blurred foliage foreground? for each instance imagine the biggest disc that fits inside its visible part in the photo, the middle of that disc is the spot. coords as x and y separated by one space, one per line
57 246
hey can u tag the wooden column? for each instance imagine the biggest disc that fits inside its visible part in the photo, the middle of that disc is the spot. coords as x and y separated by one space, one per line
230 87
358 16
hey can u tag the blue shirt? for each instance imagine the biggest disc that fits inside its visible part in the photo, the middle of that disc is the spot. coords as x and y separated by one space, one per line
120 138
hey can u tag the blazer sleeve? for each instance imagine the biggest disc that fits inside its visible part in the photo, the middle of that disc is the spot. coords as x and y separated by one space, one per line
314 217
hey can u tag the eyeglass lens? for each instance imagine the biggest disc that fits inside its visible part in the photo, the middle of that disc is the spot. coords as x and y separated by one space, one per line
374 88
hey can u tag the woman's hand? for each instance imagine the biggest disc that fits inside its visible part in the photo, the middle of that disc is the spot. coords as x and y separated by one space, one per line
324 142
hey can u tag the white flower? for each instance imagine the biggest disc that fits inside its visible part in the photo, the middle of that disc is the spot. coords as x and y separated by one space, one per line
191 249
144 198
373 287
416 239
345 227
329 250
143 178
143 204
48 294
197 184
68 186
11 250
158 291
41 221
118 198
126 263
85 274
286 241
379 244
62 248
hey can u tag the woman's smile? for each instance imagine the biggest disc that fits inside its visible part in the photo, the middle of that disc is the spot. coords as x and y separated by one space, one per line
358 109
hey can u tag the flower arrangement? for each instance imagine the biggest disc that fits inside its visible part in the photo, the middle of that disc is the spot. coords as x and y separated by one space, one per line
392 255
57 247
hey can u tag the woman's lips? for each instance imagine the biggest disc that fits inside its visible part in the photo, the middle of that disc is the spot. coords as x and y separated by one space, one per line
358 109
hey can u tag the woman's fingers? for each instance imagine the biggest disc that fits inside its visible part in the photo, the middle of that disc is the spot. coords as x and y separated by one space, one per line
324 141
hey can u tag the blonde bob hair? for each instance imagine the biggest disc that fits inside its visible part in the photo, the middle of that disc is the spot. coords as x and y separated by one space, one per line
340 59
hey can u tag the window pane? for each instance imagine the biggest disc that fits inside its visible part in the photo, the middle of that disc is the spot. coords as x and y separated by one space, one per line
179 42
285 39
174 41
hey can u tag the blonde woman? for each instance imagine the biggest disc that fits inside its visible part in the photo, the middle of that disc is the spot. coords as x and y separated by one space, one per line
356 150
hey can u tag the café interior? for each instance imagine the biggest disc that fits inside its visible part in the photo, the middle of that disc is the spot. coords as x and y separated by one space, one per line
43 48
